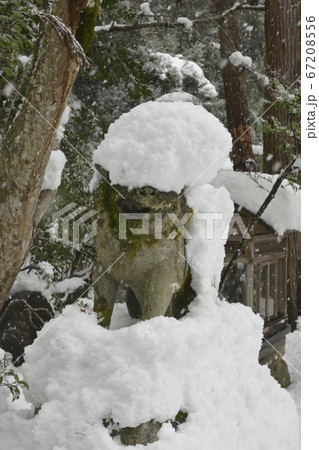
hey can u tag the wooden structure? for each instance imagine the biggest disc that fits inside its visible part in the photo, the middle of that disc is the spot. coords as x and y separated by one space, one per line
266 276
259 278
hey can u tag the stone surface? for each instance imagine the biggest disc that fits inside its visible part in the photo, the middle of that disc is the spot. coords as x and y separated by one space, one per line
154 269
145 433
279 370
271 355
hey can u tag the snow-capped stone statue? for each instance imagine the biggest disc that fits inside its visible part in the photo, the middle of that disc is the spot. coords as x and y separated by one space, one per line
148 157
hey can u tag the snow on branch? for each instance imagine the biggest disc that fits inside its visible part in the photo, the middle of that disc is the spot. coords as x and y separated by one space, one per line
250 228
180 23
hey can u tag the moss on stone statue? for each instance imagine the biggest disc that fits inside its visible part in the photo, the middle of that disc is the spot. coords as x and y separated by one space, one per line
279 370
143 434
138 242
180 417
105 199
151 265
183 297
103 314
142 200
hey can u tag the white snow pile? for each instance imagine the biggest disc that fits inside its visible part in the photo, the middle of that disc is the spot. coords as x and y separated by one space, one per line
42 281
68 285
64 120
258 149
33 280
237 59
250 191
145 9
213 210
24 60
105 27
165 145
7 90
206 365
164 64
293 357
53 171
188 24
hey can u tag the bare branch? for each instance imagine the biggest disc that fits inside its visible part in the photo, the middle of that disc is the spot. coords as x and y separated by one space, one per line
136 26
253 7
113 26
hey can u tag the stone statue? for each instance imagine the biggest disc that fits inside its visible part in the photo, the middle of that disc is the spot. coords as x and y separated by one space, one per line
154 271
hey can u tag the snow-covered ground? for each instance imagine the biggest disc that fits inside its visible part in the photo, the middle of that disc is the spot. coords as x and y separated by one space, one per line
205 364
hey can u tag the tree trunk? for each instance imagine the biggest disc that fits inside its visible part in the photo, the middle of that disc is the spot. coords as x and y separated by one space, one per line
234 87
283 62
27 145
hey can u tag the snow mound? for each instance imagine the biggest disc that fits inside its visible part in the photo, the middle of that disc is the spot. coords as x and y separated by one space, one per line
250 191
68 285
237 59
188 24
81 373
53 171
33 280
164 145
24 60
258 149
146 9
64 120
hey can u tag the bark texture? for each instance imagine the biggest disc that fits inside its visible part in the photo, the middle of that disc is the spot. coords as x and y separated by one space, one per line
283 62
27 145
234 87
